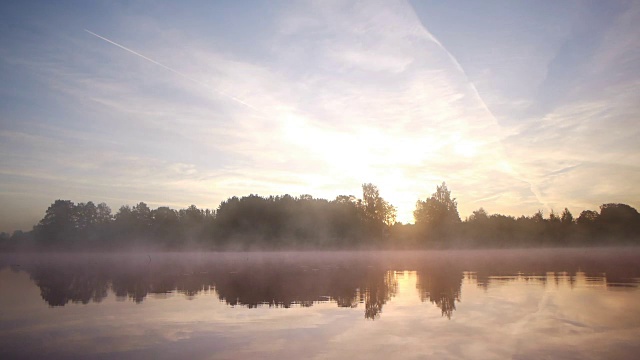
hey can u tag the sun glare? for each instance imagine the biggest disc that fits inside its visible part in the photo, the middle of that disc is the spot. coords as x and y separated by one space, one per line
465 148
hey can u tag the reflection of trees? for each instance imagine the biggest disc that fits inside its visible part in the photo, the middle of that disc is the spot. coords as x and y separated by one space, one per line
304 285
351 280
75 284
378 292
133 286
441 287
237 283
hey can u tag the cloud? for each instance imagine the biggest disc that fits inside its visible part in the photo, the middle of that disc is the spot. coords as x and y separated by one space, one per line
341 93
374 98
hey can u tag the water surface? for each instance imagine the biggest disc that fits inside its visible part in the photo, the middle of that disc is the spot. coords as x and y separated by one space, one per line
525 304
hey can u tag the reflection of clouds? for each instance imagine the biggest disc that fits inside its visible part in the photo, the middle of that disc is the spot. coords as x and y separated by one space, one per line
511 318
531 314
574 322
118 327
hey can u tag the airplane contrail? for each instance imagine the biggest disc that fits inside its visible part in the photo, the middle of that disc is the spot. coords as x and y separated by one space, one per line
173 70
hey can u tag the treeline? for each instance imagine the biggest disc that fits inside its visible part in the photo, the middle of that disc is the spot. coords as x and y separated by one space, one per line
438 225
304 222
250 222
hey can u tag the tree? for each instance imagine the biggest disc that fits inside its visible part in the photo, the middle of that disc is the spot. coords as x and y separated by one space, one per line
437 215
194 221
58 224
439 209
618 213
166 226
620 221
587 217
103 215
164 215
566 218
376 209
345 199
479 215
192 216
538 217
346 220
142 214
86 215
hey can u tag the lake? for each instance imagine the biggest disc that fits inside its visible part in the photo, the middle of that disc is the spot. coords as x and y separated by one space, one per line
473 304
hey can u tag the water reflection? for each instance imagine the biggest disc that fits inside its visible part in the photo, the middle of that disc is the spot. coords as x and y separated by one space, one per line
348 280
441 288
237 280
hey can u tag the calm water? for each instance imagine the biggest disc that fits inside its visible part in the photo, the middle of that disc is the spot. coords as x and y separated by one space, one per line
526 304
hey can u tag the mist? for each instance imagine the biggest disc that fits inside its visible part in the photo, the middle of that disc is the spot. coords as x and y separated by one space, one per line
255 223
285 279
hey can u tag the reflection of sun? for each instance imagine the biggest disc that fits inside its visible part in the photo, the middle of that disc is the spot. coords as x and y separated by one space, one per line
403 279
407 293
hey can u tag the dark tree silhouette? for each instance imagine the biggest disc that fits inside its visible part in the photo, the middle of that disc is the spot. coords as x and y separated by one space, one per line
305 222
58 225
378 213
437 216
566 218
619 220
588 217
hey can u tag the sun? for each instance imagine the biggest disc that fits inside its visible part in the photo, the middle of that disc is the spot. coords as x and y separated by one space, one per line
465 148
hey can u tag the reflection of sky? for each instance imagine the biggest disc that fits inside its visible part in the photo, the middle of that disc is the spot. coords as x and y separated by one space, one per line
510 318
518 106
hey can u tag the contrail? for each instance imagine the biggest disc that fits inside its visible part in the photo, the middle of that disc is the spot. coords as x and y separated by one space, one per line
172 70
534 189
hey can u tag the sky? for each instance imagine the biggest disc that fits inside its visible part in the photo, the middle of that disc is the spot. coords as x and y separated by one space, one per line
517 106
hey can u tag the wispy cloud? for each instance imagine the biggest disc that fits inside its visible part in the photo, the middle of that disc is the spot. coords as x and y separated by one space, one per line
339 93
385 102
171 69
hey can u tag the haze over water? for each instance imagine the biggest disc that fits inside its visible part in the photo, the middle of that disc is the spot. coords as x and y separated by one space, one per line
524 304
243 126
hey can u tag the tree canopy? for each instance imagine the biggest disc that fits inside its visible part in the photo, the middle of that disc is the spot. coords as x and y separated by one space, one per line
303 222
438 215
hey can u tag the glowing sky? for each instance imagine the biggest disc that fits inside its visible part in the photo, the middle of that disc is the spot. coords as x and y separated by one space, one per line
518 106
